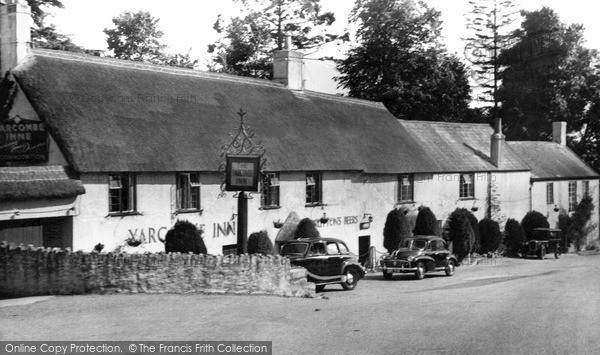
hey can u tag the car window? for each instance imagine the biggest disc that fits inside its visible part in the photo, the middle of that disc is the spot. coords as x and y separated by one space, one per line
343 248
433 245
332 248
419 244
294 249
317 249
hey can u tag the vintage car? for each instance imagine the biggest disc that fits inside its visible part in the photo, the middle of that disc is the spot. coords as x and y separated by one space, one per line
544 241
327 261
419 255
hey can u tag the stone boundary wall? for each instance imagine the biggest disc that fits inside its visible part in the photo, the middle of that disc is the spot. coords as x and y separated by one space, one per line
29 271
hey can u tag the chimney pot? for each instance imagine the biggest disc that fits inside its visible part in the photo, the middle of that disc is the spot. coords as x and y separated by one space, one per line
559 132
497 143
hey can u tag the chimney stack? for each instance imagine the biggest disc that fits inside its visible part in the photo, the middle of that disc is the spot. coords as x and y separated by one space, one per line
287 67
497 143
15 33
559 132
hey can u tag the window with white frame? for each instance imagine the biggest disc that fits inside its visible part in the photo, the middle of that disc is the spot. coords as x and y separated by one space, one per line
467 185
550 193
406 188
585 187
572 195
121 193
188 191
270 190
313 188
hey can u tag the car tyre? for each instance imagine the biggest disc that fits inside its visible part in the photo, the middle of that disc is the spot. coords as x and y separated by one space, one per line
388 275
450 267
420 271
351 279
319 288
557 255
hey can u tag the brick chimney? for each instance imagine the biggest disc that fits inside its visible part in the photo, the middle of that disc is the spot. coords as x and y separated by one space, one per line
15 35
497 143
287 67
559 132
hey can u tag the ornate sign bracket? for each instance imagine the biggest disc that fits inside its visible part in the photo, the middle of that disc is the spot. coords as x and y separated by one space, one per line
243 145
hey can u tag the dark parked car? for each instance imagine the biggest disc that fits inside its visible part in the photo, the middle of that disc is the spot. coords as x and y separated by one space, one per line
327 261
419 255
544 241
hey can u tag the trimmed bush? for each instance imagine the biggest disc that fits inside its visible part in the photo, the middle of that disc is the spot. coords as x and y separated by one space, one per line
395 230
460 233
474 225
307 228
514 236
427 223
184 237
578 226
260 243
491 237
533 220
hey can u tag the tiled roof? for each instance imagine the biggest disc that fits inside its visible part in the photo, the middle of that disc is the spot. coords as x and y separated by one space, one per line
552 161
456 147
37 182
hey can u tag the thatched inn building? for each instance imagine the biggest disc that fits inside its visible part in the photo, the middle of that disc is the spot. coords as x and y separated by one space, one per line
98 150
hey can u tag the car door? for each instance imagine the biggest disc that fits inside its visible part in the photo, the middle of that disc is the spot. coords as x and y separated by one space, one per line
438 252
316 261
334 259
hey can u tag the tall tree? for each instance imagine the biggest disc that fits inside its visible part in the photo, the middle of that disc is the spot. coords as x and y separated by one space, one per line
551 76
136 36
489 23
248 41
399 61
45 35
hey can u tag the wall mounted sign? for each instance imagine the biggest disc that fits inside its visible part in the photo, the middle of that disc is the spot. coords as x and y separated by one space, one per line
23 140
241 173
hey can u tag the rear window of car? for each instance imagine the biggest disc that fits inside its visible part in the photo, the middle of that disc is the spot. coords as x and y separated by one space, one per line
343 248
294 249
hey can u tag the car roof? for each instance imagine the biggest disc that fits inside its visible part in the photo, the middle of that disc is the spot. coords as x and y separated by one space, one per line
309 240
428 237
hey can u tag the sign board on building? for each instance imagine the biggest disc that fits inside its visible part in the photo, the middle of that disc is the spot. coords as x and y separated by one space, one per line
23 140
242 172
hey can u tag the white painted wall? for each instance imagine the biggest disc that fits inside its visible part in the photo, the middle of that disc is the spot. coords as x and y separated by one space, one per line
347 197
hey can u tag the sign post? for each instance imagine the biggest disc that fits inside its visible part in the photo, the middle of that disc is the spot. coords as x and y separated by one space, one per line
241 167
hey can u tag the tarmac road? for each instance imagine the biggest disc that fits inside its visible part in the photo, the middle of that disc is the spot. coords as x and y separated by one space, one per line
516 306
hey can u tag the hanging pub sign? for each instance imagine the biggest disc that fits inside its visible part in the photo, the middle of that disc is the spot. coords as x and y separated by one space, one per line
23 140
241 173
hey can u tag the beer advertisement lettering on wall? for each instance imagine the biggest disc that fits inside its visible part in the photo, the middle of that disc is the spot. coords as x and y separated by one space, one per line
23 140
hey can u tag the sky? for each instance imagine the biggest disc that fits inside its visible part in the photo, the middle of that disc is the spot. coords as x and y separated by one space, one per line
187 24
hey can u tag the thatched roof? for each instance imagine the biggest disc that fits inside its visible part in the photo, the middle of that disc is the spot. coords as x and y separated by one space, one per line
552 161
37 182
114 115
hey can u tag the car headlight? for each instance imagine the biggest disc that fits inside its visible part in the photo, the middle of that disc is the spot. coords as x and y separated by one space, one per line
410 258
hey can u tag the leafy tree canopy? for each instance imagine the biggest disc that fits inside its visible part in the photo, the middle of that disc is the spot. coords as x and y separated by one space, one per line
400 62
249 40
136 36
550 76
45 35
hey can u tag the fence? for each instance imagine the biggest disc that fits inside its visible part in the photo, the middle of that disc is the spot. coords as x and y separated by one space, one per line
28 271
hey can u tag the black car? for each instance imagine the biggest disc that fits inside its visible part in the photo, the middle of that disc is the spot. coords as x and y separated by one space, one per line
327 261
419 255
544 241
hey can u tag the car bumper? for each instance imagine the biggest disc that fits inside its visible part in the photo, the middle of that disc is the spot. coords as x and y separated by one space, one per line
398 266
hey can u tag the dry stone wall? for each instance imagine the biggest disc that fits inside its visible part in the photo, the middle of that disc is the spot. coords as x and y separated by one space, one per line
28 271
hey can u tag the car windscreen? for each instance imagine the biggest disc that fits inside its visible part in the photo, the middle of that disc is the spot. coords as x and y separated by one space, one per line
294 249
414 244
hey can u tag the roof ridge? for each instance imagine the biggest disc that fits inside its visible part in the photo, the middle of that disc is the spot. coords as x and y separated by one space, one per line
446 123
127 64
338 98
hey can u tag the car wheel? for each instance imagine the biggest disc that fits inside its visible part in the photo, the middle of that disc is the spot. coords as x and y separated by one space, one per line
319 288
450 268
351 279
542 253
420 271
388 275
557 255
